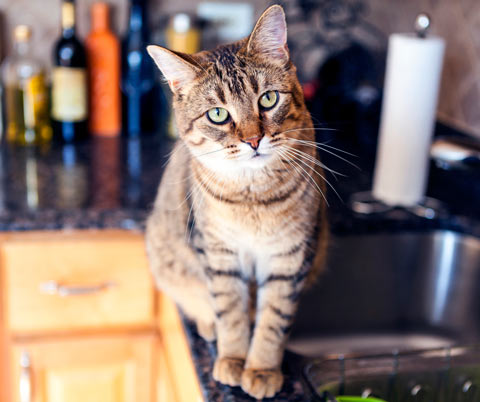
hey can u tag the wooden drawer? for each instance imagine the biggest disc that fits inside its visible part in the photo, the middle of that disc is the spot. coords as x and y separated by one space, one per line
62 282
93 369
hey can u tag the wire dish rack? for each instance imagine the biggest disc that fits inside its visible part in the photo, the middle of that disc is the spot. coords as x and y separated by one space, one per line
434 375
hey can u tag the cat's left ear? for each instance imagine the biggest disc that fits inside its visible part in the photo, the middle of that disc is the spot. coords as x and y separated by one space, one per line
269 37
177 68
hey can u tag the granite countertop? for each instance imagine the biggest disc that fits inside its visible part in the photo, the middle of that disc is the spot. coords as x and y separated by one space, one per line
111 183
101 183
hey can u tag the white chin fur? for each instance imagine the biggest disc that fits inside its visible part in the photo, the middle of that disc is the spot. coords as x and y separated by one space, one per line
246 160
238 166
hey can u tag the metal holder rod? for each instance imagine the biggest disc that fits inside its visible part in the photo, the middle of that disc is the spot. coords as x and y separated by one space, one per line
365 203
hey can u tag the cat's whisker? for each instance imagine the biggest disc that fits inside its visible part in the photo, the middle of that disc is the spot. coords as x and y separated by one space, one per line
313 118
208 180
196 193
208 153
308 176
180 181
323 144
291 130
223 188
189 192
283 164
313 160
172 152
297 158
188 196
318 146
316 121
192 209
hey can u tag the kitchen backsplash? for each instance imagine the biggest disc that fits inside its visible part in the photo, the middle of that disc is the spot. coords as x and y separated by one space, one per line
457 21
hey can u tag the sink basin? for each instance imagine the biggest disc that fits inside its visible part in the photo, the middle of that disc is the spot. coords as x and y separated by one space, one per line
392 292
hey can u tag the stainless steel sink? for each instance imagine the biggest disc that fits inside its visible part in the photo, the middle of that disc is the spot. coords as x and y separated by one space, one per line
387 292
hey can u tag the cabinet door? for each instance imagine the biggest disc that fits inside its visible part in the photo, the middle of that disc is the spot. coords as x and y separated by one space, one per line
108 369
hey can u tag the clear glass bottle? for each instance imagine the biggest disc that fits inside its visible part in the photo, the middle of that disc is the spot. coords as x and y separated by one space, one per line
27 119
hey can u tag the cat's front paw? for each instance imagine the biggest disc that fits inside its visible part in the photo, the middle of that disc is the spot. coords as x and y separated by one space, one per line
206 330
228 370
261 383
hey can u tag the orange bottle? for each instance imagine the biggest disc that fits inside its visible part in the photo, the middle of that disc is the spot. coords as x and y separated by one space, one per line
103 55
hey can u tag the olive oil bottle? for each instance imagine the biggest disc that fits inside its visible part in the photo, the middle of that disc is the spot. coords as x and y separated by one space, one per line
25 94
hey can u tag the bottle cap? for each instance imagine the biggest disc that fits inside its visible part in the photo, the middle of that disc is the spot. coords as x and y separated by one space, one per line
22 33
99 16
181 22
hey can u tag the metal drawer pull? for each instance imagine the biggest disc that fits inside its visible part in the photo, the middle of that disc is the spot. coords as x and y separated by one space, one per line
54 288
25 383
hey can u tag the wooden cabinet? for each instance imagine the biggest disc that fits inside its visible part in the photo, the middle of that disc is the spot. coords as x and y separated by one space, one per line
80 321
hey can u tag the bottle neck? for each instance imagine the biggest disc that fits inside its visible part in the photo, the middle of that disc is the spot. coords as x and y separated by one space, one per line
68 19
22 48
68 32
138 17
100 17
100 25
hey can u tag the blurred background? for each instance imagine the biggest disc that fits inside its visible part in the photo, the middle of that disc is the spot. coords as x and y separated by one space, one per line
333 27
358 28
86 115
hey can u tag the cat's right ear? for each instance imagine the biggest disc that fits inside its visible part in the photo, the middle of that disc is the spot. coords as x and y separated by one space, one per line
177 70
269 37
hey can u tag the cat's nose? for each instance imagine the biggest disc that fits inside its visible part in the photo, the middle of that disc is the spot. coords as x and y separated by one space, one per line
254 142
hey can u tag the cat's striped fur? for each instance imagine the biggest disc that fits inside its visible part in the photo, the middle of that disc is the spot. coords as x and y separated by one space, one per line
235 227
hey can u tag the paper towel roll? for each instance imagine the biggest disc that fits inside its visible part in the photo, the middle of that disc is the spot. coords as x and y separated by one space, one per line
412 79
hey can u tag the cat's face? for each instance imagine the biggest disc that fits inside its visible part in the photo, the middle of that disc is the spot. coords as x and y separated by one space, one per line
234 105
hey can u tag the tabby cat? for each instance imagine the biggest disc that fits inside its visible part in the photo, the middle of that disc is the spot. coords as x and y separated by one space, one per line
239 219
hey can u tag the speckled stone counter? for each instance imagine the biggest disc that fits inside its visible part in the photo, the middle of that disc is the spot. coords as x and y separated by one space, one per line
101 183
108 183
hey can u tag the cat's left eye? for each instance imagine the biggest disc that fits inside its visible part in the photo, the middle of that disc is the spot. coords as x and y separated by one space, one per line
268 100
218 115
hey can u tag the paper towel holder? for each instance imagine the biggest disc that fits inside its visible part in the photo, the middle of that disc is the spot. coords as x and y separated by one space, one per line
366 203
422 25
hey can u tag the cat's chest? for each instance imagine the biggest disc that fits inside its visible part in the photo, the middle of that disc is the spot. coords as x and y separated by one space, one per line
245 224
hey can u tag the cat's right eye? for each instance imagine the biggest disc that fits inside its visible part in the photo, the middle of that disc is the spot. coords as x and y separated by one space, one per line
218 115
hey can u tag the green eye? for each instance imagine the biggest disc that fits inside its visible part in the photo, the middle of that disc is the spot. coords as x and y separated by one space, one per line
218 115
268 100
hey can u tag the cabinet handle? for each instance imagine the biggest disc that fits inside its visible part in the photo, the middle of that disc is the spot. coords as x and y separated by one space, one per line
25 383
54 288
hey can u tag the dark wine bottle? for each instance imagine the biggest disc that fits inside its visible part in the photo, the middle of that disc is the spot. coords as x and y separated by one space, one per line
138 74
69 82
